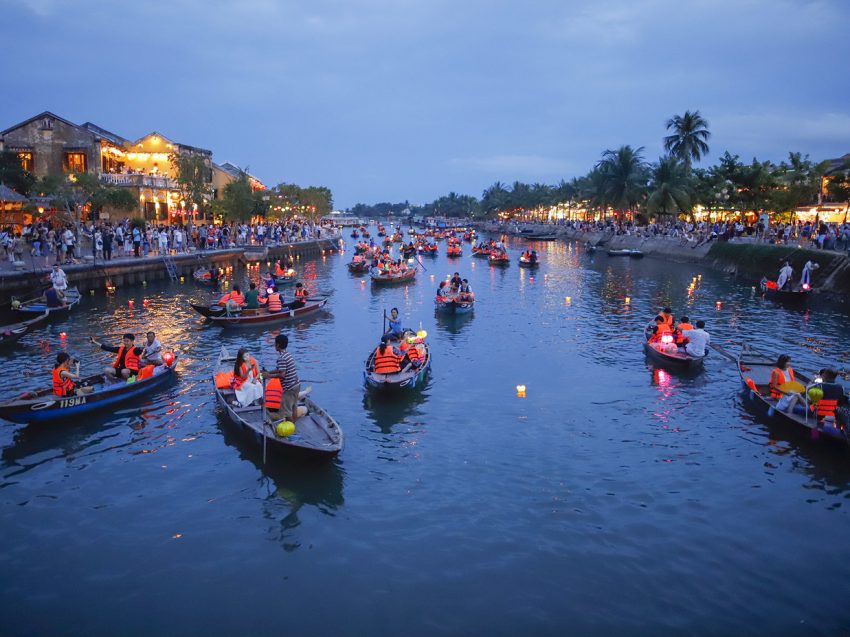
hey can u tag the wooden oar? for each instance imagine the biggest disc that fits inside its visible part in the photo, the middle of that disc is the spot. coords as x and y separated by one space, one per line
723 352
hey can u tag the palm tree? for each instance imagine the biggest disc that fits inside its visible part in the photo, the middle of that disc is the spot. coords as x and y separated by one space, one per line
671 190
688 141
494 198
624 177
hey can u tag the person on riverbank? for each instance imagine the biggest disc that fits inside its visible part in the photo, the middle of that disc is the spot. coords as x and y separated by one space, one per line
128 357
697 340
152 353
283 388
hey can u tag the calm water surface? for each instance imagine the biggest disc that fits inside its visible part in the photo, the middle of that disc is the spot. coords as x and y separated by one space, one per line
613 499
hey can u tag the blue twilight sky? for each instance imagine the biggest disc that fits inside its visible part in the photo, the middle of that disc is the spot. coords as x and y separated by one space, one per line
387 100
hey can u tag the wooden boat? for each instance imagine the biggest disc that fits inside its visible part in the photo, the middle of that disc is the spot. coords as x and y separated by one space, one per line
384 278
285 279
39 305
355 235
44 406
359 267
625 252
483 253
10 334
428 249
454 251
499 259
528 263
407 379
260 316
203 276
792 296
540 237
453 304
316 435
677 361
755 370
408 251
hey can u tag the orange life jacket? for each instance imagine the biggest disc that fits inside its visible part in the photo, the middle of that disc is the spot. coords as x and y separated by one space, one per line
386 363
826 407
242 377
681 327
301 294
274 394
662 329
668 319
274 302
131 361
62 386
232 296
411 350
777 378
145 372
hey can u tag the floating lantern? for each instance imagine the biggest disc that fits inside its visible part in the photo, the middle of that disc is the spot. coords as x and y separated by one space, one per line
131 303
91 292
531 279
168 358
806 286
568 300
182 279
421 334
628 300
545 277
362 282
62 336
145 302
520 391
718 305
699 277
144 284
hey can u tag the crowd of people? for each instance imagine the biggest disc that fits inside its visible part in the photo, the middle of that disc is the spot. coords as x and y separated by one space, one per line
105 239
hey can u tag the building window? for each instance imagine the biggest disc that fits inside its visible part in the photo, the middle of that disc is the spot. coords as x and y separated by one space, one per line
26 160
75 162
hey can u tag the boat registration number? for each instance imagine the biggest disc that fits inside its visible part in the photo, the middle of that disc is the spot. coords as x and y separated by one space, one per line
73 401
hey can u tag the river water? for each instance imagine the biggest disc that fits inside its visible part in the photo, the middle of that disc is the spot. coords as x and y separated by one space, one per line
612 499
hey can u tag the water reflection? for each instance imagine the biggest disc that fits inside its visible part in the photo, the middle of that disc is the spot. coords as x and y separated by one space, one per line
402 408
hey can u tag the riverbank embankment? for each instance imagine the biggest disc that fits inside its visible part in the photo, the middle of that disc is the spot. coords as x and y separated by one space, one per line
128 271
743 258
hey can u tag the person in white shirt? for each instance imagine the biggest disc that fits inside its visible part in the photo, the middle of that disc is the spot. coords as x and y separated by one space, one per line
698 340
59 280
806 280
152 353
163 242
785 274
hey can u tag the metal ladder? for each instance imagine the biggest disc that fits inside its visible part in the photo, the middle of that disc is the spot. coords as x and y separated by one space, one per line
170 267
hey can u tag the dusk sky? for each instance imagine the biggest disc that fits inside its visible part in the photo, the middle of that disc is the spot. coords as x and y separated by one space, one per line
387 100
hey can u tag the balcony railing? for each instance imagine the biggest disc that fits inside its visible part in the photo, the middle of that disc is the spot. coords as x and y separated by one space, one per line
138 181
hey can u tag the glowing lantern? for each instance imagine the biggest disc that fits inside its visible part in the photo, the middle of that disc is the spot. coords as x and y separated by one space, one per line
362 282
520 391
806 286
718 305
62 336
421 334
531 279
182 279
145 302
628 300
569 300
667 338
131 303
91 292
168 358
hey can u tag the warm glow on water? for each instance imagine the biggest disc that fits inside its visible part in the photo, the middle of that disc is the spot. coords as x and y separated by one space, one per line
546 476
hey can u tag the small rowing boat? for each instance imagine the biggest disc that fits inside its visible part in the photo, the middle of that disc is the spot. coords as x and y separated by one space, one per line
218 315
483 253
386 278
455 303
528 262
10 334
290 277
39 305
204 276
44 406
454 251
359 267
668 354
796 296
755 370
316 435
499 259
409 377
625 252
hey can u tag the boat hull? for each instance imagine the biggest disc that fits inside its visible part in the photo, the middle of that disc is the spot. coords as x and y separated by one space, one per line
674 362
50 408
252 318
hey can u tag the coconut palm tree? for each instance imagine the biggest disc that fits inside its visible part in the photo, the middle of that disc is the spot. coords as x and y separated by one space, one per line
688 141
624 177
671 189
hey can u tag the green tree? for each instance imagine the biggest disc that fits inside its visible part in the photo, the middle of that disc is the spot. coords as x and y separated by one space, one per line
494 199
688 141
670 189
13 175
193 178
624 175
237 202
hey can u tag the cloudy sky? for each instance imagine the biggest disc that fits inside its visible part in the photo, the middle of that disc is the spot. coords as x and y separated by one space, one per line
387 100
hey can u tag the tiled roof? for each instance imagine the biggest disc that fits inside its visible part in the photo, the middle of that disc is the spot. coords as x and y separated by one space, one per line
7 194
